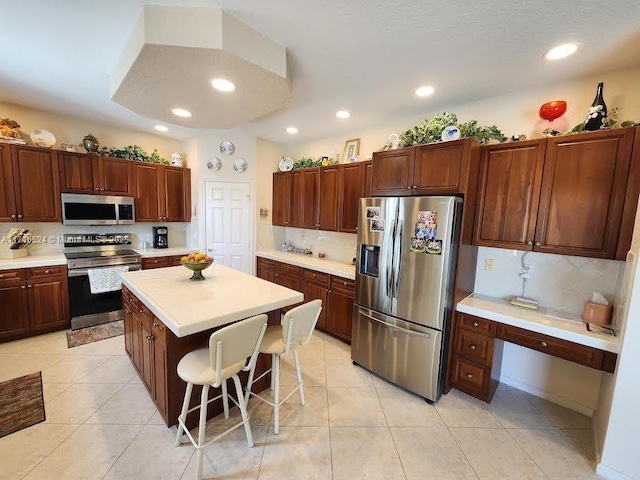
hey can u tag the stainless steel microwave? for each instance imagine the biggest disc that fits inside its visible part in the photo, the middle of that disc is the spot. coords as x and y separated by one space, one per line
80 209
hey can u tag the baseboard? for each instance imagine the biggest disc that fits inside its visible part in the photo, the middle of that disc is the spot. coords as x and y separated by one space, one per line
570 404
610 473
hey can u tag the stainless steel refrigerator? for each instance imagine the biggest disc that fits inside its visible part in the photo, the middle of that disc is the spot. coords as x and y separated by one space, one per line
405 277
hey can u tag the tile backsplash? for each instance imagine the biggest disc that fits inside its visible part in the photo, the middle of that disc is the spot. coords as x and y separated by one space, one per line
558 282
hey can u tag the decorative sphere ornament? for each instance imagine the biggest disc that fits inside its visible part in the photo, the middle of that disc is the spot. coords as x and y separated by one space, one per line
552 110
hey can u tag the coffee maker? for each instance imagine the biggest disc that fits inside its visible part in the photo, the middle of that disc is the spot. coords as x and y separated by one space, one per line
160 237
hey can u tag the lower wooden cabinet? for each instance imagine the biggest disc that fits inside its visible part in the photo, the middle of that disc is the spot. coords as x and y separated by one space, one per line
160 262
336 293
33 301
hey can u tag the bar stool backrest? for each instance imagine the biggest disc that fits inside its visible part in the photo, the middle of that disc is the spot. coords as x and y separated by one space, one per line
299 322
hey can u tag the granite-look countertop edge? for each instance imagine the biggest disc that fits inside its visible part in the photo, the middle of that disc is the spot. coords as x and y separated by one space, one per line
33 261
323 265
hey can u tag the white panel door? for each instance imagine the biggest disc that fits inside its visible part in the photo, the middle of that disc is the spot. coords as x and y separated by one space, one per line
228 224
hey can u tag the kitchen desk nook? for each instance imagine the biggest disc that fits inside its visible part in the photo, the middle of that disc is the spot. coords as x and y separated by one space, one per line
168 316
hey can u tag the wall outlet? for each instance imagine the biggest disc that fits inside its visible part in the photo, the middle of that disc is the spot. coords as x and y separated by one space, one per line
488 264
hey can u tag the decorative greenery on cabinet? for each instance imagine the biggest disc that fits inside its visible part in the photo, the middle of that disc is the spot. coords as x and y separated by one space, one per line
134 152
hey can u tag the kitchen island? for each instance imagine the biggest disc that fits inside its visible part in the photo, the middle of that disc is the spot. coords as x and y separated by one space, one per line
166 316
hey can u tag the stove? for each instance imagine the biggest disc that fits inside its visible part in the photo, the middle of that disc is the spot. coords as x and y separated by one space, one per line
92 251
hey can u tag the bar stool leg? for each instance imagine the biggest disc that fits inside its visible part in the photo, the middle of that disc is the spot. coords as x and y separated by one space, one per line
183 413
243 410
275 372
202 426
298 375
225 399
273 362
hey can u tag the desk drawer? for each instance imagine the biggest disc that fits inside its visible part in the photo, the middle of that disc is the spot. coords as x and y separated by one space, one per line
12 276
476 324
46 272
574 352
474 347
467 376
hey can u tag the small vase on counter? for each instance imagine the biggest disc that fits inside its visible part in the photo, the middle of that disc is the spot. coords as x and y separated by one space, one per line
597 112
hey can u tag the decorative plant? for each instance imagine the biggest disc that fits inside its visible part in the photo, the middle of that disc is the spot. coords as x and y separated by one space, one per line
135 153
430 130
308 162
9 128
610 122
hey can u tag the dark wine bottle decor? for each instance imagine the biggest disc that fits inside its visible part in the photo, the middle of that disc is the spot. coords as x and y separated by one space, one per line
597 112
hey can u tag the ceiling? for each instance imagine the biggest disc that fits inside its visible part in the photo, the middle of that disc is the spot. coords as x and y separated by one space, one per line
366 56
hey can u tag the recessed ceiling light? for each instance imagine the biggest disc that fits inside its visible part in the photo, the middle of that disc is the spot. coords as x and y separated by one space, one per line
223 85
161 128
343 114
292 130
424 91
561 51
181 112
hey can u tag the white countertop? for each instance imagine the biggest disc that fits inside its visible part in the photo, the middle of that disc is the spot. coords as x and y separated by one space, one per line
225 296
344 270
33 261
543 321
164 252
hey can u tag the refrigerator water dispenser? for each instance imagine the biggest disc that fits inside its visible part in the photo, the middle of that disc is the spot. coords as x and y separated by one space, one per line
369 260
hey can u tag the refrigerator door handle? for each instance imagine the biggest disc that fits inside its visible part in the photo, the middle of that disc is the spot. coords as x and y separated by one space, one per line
395 327
396 268
391 264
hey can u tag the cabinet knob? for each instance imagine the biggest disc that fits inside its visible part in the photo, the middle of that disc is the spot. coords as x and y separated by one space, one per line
537 244
475 324
1 276
23 287
155 324
529 242
13 216
469 375
543 344
415 187
141 311
97 189
29 286
46 272
472 347
409 188
127 311
19 216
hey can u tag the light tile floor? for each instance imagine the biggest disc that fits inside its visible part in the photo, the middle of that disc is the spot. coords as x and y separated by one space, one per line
101 424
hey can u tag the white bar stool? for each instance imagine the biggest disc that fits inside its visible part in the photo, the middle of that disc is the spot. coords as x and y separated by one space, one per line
228 351
295 331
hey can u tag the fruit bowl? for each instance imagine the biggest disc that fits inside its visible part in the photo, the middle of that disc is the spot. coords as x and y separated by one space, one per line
196 262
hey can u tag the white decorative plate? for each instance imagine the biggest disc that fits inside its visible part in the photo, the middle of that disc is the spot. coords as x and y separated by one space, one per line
227 148
450 133
354 158
286 164
240 165
43 138
214 164
394 141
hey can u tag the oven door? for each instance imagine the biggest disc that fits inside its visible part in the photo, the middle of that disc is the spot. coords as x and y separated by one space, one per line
88 309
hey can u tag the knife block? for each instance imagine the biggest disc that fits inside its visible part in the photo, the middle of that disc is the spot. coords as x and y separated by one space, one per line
8 254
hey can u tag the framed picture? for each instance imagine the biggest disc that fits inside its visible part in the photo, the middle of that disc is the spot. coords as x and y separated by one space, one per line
351 148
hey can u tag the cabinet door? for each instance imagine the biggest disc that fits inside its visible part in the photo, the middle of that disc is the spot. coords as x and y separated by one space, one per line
147 355
582 195
310 198
351 188
340 311
14 310
136 341
147 192
368 178
114 176
128 327
441 168
78 173
36 167
289 281
176 207
329 198
393 172
297 198
508 194
160 391
48 303
8 212
281 199
315 291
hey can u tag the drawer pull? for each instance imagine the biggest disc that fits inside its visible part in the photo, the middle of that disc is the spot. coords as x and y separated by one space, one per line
46 272
127 311
23 287
544 344
1 276
475 324
469 375
472 347
141 311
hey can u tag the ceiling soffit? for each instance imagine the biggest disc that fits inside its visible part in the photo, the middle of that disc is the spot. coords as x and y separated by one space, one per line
172 55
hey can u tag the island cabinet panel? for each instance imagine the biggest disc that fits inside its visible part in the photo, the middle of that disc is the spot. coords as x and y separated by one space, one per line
351 189
128 323
329 198
36 167
146 359
340 308
281 199
160 392
508 195
14 309
393 172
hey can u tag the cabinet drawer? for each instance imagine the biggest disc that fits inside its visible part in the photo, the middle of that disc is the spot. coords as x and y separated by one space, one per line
574 352
45 272
11 276
469 375
477 324
475 347
343 284
317 277
176 260
155 262
267 262
292 269
158 330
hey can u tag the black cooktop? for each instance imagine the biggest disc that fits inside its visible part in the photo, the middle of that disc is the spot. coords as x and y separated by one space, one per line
98 254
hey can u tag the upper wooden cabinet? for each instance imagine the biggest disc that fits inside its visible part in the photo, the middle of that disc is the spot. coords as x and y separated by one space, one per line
351 188
29 187
80 173
281 199
162 193
329 198
435 169
561 195
310 198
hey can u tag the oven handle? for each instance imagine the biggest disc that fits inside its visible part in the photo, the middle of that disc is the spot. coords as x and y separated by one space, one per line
85 271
